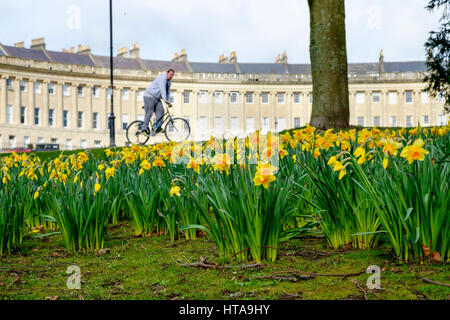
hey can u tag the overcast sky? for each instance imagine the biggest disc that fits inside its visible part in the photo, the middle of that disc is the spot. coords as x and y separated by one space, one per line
256 29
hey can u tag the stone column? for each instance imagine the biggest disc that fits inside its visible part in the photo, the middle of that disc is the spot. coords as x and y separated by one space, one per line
368 103
17 102
401 121
73 110
3 100
59 110
352 103
30 104
416 101
273 115
103 116
241 103
195 126
257 102
134 105
44 111
227 122
88 112
211 111
289 101
385 116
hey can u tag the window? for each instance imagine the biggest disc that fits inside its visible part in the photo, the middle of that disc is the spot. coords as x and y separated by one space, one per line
140 117
37 116
203 124
265 98
97 143
296 122
310 97
249 97
218 96
95 120
68 144
37 87
249 124
441 120
440 96
23 86
124 121
234 97
9 84
202 97
392 97
171 97
296 98
23 115
264 125
11 142
95 93
40 140
83 144
360 97
218 125
125 94
426 120
51 88
51 117
408 96
408 121
376 121
140 96
80 91
280 98
281 124
65 118
424 97
26 141
9 113
376 97
234 124
54 140
360 121
66 90
392 121
80 119
186 96
109 93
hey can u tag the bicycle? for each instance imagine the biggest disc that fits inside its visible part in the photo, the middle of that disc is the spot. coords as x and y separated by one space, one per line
175 129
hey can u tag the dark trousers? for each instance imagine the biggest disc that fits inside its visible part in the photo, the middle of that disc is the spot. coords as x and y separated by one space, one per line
152 105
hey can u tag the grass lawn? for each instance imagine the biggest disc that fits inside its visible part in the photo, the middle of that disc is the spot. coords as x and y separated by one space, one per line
149 268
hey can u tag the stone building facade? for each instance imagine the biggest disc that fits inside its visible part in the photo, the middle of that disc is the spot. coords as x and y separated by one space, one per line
64 97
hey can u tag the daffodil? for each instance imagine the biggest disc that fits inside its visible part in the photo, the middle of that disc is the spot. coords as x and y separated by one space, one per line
414 151
264 175
175 190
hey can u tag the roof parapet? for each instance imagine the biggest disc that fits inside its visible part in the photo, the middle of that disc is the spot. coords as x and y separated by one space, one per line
38 44
70 50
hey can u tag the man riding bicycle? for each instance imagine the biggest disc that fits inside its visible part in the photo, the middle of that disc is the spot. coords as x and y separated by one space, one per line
158 89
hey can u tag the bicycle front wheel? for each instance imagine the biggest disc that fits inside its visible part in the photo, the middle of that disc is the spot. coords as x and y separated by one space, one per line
177 129
135 135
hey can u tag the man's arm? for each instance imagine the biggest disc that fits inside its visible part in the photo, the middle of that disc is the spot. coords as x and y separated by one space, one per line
162 88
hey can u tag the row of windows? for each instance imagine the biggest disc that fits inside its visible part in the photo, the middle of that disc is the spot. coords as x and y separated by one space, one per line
392 97
218 97
12 142
376 121
360 96
51 117
249 124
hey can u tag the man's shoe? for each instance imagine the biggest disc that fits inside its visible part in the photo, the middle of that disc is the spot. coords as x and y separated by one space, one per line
146 132
155 132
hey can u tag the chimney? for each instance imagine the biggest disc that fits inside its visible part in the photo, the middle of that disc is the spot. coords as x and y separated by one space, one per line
134 50
278 59
38 44
284 57
181 57
122 52
84 50
233 57
223 58
381 61
19 44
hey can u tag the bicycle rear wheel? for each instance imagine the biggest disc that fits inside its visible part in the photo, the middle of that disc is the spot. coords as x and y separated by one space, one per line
135 134
177 129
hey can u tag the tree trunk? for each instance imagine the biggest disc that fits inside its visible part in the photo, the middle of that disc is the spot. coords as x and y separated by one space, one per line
328 54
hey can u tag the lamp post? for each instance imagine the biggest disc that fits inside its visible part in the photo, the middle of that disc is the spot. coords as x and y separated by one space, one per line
111 116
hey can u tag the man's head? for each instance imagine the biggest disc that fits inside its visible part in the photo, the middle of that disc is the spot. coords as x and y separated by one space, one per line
170 74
